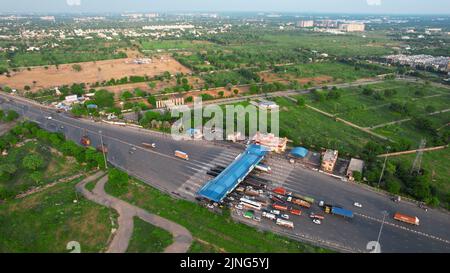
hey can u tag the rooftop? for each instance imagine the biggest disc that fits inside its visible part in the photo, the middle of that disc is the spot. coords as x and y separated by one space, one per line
217 188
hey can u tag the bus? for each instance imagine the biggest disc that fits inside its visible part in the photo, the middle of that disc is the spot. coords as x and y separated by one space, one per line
182 155
251 204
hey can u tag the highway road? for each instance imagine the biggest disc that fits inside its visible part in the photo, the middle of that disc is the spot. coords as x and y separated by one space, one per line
432 235
159 168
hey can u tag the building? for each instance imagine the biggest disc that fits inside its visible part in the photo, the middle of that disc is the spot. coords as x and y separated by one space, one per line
236 136
268 105
170 103
219 187
356 165
352 27
270 142
325 23
329 159
305 23
299 152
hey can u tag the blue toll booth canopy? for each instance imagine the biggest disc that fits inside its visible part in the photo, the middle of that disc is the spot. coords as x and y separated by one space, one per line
299 152
216 189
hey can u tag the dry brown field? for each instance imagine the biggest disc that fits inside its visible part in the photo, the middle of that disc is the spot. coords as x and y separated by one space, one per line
91 72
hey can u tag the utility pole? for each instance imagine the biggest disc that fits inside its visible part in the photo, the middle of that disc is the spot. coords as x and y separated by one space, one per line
385 213
384 165
103 149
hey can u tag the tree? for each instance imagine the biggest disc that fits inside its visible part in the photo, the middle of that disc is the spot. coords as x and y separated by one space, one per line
236 91
393 185
104 99
77 67
221 93
126 95
33 162
301 101
367 91
430 109
37 177
357 176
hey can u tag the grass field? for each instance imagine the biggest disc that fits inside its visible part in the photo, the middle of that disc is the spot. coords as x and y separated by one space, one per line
312 129
172 44
338 71
219 231
147 238
367 111
48 220
339 45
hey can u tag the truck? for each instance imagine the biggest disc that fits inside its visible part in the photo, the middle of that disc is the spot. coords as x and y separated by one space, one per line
148 145
306 198
181 155
295 212
279 190
269 215
299 202
263 168
285 223
252 192
335 210
276 199
342 212
406 219
279 207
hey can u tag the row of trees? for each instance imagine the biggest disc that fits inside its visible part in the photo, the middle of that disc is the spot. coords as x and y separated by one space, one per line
398 177
35 163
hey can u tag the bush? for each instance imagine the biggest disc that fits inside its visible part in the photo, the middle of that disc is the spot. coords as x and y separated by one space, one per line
33 162
118 181
77 67
104 99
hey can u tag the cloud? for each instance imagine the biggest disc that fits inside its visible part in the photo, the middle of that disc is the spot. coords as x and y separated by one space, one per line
73 2
374 2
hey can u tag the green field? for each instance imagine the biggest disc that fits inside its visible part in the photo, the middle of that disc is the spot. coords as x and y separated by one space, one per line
171 45
312 129
367 111
339 45
147 238
219 231
337 71
48 220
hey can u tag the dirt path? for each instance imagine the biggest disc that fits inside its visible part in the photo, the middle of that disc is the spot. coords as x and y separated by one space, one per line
181 236
404 120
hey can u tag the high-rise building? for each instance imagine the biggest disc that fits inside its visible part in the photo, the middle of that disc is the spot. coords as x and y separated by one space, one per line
305 23
351 27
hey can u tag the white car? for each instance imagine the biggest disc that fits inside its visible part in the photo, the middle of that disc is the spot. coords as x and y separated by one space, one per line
276 212
49 117
285 216
210 206
238 206
356 204
317 221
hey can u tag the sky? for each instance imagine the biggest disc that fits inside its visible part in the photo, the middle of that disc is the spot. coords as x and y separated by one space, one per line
300 6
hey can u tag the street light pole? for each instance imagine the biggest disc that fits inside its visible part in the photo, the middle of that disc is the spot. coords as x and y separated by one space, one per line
385 213
103 149
384 165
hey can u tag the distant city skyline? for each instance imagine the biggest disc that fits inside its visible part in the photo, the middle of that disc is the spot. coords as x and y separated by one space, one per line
298 6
